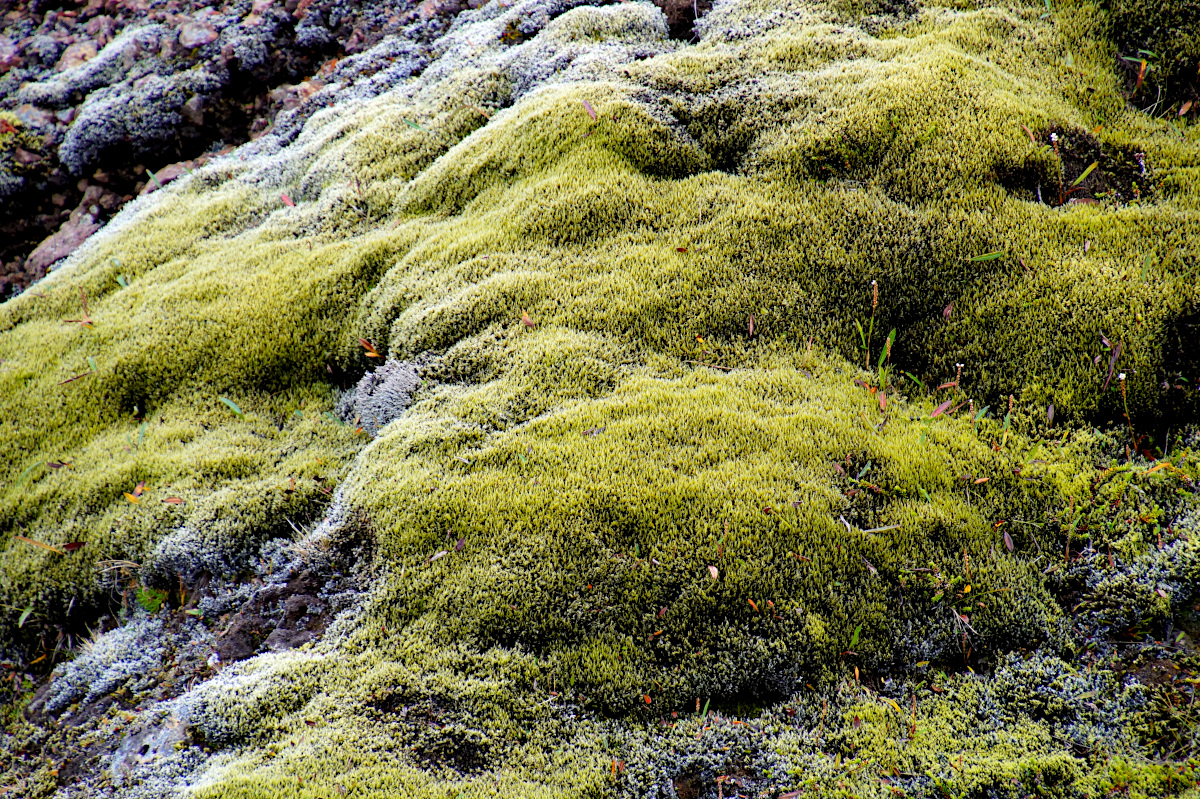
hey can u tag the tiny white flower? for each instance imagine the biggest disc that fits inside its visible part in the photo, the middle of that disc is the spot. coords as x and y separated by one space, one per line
1054 137
214 660
1121 376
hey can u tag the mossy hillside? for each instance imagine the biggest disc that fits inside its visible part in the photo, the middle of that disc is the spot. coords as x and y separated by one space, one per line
232 483
594 548
181 334
716 150
492 723
813 247
485 726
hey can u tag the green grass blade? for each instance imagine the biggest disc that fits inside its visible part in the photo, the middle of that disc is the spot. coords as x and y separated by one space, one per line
232 406
1086 172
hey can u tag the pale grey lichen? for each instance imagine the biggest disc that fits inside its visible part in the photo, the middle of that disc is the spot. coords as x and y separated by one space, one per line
115 658
381 396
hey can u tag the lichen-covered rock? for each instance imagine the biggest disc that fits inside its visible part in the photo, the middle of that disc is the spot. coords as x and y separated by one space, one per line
381 396
760 442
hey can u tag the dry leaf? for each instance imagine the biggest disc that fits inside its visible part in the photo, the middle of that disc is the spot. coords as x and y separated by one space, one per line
712 570
882 401
38 544
588 107
287 201
174 500
939 410
1008 541
74 545
525 320
371 351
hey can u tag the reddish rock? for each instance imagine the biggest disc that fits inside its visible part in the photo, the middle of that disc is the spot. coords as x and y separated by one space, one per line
258 8
74 232
433 8
24 157
10 56
193 110
196 33
166 175
33 116
76 55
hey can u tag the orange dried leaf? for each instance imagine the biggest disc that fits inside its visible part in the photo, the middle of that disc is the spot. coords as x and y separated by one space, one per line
525 320
882 401
174 500
132 498
1141 76
39 544
751 601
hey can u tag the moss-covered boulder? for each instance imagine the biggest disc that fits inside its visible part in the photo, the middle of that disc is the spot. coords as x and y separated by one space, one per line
774 411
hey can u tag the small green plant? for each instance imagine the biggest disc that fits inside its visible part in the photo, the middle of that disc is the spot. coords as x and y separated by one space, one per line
865 337
151 599
885 361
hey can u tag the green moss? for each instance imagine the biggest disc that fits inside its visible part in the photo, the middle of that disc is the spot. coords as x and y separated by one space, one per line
548 510
584 539
1167 37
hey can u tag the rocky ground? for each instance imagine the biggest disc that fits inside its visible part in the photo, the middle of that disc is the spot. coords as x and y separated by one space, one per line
493 399
103 101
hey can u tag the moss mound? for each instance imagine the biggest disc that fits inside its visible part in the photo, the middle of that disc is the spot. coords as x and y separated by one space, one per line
665 451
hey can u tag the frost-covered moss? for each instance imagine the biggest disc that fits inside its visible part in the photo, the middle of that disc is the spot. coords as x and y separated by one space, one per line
646 469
